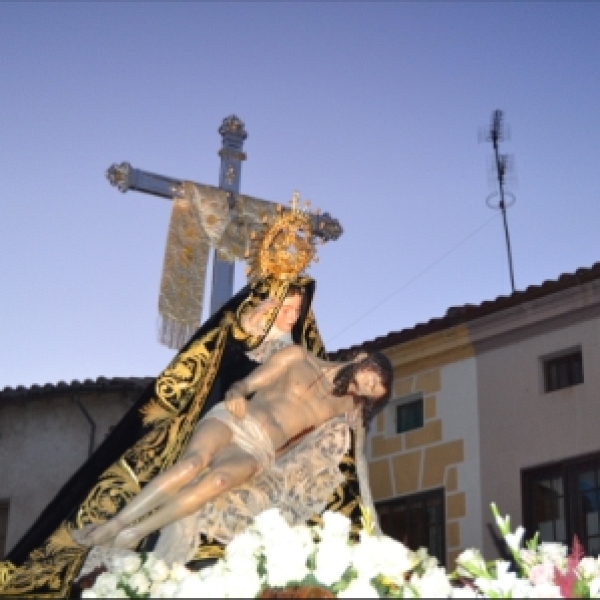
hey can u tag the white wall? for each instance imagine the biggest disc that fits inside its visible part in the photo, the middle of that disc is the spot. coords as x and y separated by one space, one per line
458 409
521 426
42 442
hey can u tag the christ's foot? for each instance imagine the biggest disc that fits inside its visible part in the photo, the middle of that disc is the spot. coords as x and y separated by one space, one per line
82 536
99 535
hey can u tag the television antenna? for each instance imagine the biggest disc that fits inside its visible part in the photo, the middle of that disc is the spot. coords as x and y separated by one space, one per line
501 199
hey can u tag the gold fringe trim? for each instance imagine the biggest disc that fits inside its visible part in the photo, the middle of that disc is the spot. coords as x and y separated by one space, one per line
7 570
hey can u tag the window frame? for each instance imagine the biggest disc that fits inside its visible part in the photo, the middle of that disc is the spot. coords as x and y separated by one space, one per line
391 417
556 358
569 472
410 500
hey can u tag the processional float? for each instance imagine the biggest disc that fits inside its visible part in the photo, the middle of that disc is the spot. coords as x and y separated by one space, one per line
279 243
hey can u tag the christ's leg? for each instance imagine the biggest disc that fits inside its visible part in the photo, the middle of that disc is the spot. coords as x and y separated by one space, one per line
210 436
231 468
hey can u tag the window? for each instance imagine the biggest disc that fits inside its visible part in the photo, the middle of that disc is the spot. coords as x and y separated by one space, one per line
3 526
563 371
416 521
409 416
563 500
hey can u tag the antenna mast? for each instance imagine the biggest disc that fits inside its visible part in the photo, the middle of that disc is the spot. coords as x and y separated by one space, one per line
497 200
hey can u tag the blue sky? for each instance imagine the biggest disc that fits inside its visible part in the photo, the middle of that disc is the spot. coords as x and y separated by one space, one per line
370 110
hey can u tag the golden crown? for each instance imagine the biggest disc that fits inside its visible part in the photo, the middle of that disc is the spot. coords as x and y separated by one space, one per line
285 245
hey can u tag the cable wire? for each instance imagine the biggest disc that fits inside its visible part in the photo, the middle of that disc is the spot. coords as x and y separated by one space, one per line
413 279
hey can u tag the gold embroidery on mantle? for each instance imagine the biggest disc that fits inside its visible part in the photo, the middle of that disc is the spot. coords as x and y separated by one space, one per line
44 574
117 485
154 412
7 570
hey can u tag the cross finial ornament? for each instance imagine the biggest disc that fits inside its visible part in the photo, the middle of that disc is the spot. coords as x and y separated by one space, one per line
295 201
285 245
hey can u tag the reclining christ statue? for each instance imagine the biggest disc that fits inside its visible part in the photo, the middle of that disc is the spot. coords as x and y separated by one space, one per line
293 393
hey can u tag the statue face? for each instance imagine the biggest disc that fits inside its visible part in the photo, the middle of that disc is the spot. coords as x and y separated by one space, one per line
368 383
289 313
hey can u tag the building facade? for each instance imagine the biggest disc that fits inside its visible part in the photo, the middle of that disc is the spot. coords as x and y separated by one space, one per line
500 403
46 433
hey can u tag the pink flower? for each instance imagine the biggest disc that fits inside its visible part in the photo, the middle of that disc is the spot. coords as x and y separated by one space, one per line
541 574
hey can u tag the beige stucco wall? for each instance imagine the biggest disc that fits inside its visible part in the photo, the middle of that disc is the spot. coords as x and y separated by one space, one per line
521 426
42 442
445 452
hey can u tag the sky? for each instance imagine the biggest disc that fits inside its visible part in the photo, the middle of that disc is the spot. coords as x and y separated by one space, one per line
373 111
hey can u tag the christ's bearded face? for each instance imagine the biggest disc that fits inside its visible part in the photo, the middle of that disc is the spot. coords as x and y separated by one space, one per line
367 383
360 381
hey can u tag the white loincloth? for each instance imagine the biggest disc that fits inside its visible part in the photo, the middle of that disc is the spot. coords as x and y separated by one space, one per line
248 434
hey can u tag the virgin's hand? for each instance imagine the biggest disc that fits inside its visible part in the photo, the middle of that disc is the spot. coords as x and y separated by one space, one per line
236 405
253 322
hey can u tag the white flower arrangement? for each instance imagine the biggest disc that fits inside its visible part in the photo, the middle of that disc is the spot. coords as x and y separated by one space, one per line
272 555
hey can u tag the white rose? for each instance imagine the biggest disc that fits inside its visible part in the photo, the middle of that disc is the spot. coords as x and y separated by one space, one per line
283 567
588 567
131 564
594 586
365 557
246 585
553 551
164 589
157 570
427 562
335 526
139 582
433 584
377 555
359 588
198 586
395 556
89 594
178 573
332 561
243 549
287 556
522 588
106 584
507 581
505 586
303 537
270 524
